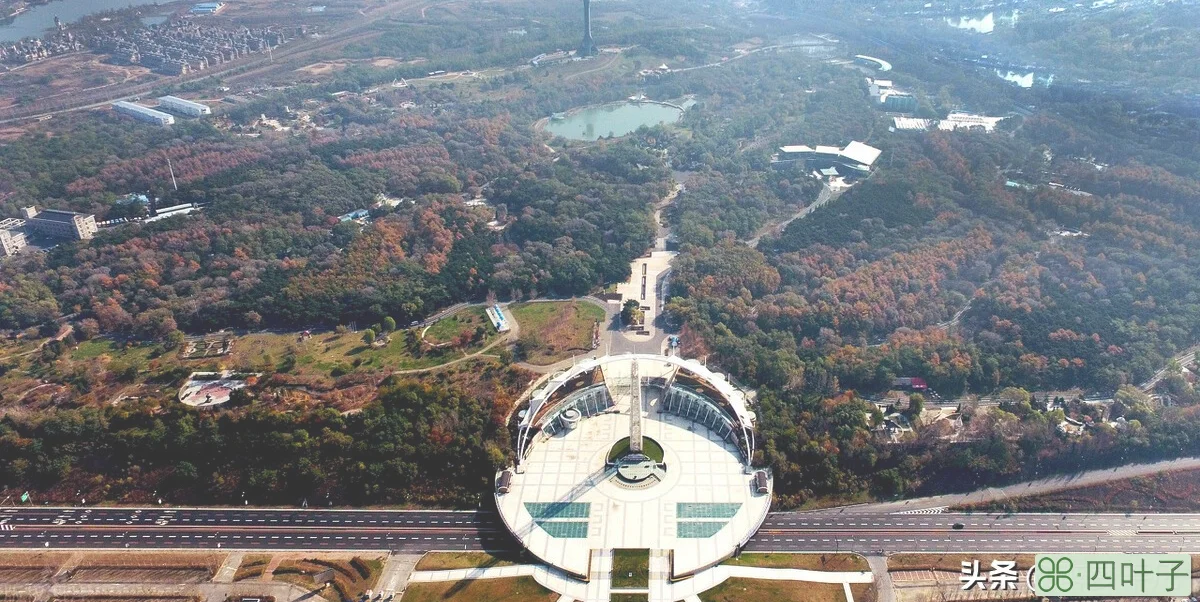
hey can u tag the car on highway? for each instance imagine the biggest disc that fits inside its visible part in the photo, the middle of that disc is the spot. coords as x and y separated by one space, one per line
959 526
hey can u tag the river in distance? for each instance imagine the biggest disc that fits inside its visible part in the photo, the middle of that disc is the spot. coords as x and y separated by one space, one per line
35 22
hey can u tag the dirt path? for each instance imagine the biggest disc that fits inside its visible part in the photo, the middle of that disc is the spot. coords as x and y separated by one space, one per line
504 339
508 337
62 334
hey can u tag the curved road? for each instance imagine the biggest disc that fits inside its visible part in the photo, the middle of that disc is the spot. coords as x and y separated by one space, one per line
1049 484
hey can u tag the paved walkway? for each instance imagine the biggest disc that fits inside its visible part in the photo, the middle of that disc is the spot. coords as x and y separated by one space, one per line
661 589
211 592
394 577
883 579
228 568
490 572
755 572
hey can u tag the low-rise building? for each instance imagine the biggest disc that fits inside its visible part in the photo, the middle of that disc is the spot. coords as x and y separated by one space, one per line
855 158
914 383
356 215
898 102
889 97
143 113
207 8
11 242
955 121
60 224
12 236
183 107
959 120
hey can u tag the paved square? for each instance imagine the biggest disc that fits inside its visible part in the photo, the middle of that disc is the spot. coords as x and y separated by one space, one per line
566 503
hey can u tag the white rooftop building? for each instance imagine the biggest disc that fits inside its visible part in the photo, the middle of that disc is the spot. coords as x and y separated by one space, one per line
968 121
637 451
856 157
953 122
861 153
183 107
143 113
12 236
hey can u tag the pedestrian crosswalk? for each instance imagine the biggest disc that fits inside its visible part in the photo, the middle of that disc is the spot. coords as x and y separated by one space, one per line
937 510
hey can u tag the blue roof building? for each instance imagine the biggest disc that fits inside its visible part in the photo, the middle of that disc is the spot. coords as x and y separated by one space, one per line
207 8
358 214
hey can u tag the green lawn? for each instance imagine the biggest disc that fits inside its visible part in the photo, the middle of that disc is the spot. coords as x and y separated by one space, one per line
111 368
812 562
628 598
10 347
468 319
521 589
439 561
100 347
321 357
556 330
631 568
650 447
328 354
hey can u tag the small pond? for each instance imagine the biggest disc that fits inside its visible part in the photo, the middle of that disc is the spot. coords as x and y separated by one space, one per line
592 123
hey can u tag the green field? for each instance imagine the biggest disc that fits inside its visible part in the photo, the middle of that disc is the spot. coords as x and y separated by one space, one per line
440 561
521 589
556 330
12 346
467 320
95 348
333 354
631 568
650 447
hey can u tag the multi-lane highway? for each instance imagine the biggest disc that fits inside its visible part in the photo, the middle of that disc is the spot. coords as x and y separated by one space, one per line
873 533
249 529
432 530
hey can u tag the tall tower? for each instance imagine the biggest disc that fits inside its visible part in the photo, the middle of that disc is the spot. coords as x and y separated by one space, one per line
635 411
588 47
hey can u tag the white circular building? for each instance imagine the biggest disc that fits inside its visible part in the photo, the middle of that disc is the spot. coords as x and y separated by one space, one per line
641 452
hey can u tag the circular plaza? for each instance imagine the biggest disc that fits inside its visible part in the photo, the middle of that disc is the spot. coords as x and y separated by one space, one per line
635 452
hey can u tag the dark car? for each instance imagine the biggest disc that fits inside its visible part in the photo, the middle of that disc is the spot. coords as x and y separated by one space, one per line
959 525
